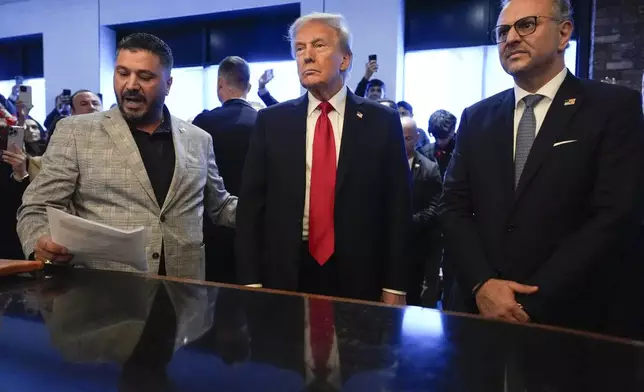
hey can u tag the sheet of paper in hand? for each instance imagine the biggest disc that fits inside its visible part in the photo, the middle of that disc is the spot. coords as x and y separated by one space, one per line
92 241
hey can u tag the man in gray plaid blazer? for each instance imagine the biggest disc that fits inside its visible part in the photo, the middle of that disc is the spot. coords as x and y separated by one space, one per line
132 166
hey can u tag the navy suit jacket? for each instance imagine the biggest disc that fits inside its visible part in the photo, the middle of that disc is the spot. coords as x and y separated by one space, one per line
372 203
230 127
573 216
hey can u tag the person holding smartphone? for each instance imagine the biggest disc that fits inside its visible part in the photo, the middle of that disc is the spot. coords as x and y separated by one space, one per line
366 84
13 182
62 109
9 103
361 89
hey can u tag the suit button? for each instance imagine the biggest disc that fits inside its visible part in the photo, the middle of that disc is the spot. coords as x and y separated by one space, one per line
156 256
162 219
511 228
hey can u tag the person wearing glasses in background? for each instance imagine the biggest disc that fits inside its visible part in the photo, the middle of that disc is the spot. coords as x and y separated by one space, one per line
538 229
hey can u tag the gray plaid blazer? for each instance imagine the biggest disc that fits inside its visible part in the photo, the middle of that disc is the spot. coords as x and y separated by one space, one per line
92 167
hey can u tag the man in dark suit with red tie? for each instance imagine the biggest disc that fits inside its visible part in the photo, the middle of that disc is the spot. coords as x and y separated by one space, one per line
543 194
320 211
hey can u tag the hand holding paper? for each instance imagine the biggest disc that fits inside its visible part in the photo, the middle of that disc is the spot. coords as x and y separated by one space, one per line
91 241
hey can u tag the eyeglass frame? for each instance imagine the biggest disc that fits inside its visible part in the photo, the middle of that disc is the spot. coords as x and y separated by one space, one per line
492 35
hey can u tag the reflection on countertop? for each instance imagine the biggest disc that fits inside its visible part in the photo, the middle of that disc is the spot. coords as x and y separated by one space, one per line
81 330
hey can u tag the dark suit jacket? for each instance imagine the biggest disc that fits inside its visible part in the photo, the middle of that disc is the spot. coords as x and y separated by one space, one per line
372 204
434 153
230 127
426 248
268 99
574 213
427 187
51 120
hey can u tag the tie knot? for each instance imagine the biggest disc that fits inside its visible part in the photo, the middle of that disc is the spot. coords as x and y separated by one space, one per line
325 107
532 100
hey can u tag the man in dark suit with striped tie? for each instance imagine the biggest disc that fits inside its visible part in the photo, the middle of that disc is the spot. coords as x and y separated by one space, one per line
322 212
538 229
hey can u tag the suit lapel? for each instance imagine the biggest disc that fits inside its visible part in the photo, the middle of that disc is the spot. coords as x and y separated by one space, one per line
296 133
179 165
119 131
559 115
416 168
503 144
350 138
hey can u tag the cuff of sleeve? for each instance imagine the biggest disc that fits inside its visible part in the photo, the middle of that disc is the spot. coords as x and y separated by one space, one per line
262 91
396 292
18 178
254 285
28 247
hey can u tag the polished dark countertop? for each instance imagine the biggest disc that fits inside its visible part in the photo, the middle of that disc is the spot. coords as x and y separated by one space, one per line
82 330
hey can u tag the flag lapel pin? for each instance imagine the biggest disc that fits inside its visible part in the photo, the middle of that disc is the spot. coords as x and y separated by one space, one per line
359 115
570 101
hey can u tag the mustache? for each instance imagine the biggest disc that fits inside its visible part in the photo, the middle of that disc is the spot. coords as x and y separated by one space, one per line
509 51
133 94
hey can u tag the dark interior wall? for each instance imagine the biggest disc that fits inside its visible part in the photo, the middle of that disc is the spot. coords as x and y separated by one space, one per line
618 41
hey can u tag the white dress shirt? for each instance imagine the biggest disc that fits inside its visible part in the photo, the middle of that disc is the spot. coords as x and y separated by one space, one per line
549 90
336 117
411 162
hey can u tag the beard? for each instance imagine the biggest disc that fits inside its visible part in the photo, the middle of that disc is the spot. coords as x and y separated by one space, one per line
147 115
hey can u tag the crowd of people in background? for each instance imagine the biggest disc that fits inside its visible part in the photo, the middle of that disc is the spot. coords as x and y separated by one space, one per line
230 126
342 193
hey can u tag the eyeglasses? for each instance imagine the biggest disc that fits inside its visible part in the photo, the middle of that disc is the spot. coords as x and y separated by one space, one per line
524 26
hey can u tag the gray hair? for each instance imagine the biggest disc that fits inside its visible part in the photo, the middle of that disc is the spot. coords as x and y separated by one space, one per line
335 21
561 9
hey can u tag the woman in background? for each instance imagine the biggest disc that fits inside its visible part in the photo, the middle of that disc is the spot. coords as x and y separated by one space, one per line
14 178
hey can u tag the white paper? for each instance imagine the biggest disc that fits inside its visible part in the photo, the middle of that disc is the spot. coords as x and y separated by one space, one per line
91 241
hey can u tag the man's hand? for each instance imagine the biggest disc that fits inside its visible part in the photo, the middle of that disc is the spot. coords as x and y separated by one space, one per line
46 250
393 299
266 77
371 68
495 299
17 159
23 112
15 90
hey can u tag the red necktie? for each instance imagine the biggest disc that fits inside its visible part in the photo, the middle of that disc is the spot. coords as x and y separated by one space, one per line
321 322
322 191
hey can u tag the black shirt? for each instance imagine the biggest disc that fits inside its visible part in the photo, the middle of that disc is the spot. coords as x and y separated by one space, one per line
157 154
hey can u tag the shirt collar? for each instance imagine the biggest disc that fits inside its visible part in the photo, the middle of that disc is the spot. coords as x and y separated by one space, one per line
338 101
164 127
549 90
233 101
